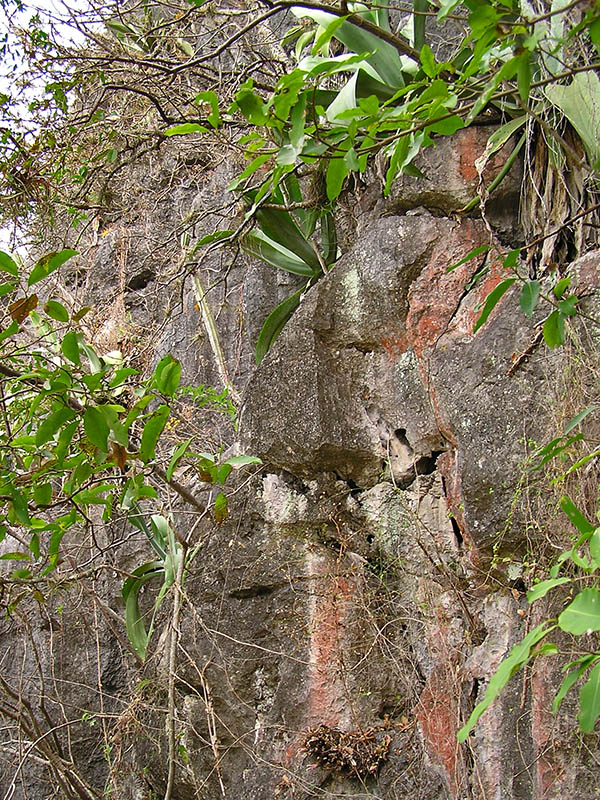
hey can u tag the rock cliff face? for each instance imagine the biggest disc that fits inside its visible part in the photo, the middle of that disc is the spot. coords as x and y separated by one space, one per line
339 627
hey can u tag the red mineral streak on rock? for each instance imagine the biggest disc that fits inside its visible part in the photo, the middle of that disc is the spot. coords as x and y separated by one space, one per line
437 715
542 726
334 600
435 296
395 344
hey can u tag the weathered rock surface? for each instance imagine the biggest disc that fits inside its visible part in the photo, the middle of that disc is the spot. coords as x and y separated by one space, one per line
339 627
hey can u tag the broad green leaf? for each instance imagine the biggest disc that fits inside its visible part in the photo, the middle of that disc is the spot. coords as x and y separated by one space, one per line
48 263
280 228
7 288
499 138
274 324
589 701
384 58
20 507
542 588
42 494
448 126
70 347
260 246
254 165
95 427
530 294
337 171
345 100
576 517
567 307
185 128
329 239
34 546
492 301
134 623
15 557
8 265
427 61
580 103
220 508
570 680
167 375
582 615
217 236
561 287
57 311
326 34
52 424
152 431
10 331
554 329
176 458
518 656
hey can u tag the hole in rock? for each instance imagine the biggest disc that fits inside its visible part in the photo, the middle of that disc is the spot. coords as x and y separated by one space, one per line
370 538
426 465
457 534
140 281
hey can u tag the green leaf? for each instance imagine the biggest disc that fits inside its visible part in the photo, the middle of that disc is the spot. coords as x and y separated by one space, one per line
134 623
167 375
492 301
554 329
337 170
518 656
529 297
211 98
275 322
70 347
152 431
589 701
34 546
419 9
176 458
255 164
242 461
42 494
8 265
51 425
580 103
48 263
576 517
279 227
567 307
10 331
542 588
594 543
582 615
20 507
220 508
56 311
579 418
427 61
185 128
524 76
217 236
561 287
14 557
260 246
570 680
95 427
499 138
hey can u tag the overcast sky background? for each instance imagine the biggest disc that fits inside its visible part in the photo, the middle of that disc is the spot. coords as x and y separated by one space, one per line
56 12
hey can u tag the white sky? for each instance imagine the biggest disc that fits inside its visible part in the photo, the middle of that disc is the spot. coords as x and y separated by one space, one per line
56 11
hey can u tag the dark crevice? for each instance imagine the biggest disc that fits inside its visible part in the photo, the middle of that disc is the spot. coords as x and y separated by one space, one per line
252 591
457 533
140 281
426 465
400 434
